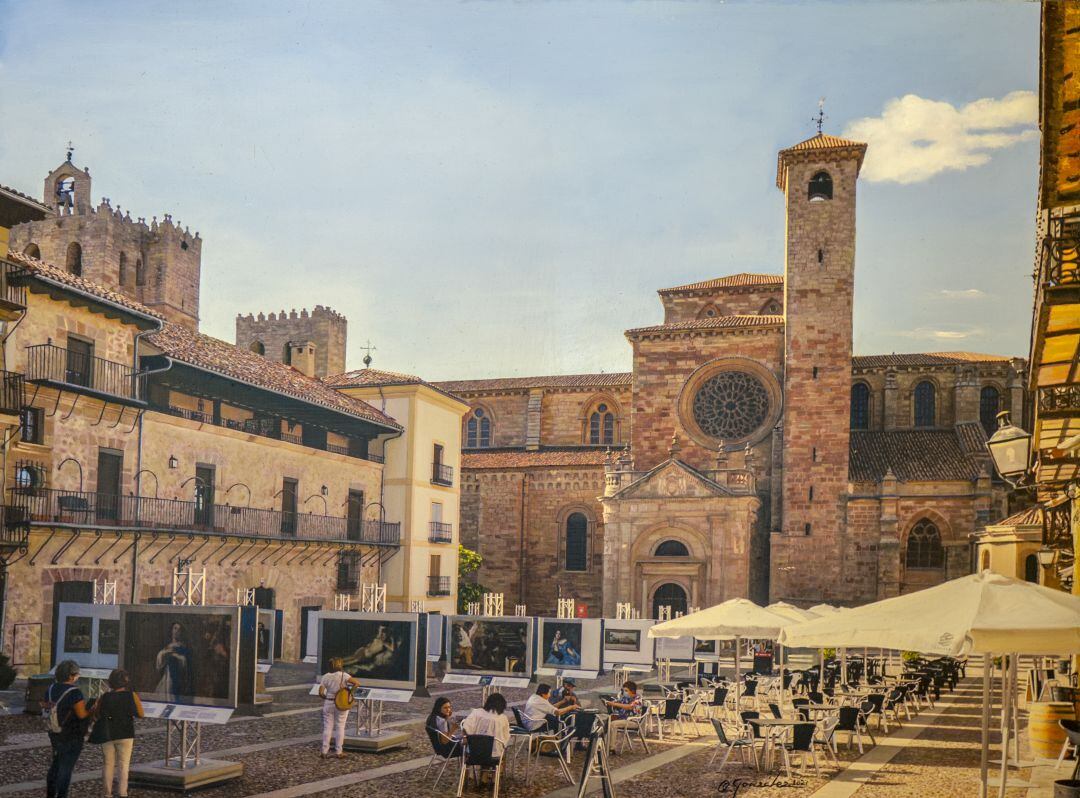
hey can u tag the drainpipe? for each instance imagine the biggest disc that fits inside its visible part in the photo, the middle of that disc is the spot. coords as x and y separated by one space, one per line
521 540
139 463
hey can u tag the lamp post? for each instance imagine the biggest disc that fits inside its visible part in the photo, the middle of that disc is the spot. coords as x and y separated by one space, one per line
1010 449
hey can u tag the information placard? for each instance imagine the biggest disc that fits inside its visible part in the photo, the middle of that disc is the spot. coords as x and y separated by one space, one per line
213 715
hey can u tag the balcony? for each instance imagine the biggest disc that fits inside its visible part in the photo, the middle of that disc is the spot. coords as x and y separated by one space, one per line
47 506
67 369
442 474
438 586
12 289
14 531
11 392
441 532
265 428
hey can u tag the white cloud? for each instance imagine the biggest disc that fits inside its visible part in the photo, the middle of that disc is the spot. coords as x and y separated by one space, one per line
915 139
930 333
962 293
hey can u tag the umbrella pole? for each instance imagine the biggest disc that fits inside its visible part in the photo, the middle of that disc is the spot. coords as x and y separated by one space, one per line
1006 731
738 684
984 757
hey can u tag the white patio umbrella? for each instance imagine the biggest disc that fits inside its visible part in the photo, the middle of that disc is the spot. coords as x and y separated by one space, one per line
797 615
736 618
983 613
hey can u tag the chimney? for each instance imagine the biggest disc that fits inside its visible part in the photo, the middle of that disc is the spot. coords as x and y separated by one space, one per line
302 357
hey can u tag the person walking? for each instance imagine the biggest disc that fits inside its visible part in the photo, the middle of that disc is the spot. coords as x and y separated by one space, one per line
114 729
333 718
66 707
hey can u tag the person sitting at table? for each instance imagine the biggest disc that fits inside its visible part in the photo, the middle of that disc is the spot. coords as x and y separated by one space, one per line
441 719
625 708
491 721
565 696
539 711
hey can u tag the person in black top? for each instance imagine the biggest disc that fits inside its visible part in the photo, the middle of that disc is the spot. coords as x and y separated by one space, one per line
68 742
114 728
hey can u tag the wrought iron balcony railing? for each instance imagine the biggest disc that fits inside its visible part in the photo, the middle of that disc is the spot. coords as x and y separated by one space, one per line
1059 256
11 392
441 532
14 531
1059 399
43 506
12 286
442 474
438 586
55 365
266 428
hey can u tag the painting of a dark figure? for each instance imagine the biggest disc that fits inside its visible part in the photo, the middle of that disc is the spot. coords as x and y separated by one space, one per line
372 649
179 658
77 636
562 645
489 646
108 640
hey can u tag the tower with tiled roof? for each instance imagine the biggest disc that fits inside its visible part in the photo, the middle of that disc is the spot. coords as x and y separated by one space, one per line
818 177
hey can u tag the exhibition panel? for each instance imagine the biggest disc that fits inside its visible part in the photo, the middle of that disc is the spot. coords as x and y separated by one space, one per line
627 642
490 646
570 643
380 649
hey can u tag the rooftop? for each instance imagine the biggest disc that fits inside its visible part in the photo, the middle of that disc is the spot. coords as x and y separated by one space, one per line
220 357
731 281
814 145
602 380
925 359
912 455
713 323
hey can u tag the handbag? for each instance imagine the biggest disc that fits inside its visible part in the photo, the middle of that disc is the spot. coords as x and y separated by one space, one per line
343 698
99 732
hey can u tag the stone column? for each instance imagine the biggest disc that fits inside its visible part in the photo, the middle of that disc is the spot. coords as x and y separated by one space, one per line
889 542
889 409
966 396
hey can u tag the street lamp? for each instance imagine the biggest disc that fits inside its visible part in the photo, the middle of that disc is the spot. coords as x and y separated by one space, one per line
1010 448
1046 556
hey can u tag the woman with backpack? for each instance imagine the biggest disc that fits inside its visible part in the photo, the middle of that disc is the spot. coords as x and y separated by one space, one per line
114 729
335 689
65 711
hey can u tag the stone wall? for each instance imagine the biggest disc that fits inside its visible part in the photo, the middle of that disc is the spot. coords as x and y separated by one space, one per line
324 327
749 300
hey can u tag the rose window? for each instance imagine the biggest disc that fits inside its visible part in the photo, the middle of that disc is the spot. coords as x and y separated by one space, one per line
731 405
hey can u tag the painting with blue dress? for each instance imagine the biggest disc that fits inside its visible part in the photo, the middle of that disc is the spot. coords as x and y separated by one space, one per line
562 644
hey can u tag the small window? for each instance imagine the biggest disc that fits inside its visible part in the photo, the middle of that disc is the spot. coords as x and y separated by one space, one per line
925 404
123 269
32 250
140 272
924 548
258 348
31 425
985 561
1031 569
772 308
602 426
577 542
808 529
73 261
989 406
860 406
672 548
820 187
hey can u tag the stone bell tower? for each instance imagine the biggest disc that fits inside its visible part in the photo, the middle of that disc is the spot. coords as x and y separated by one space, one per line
818 178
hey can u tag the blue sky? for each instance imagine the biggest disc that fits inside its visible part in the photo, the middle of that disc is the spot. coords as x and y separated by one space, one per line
499 188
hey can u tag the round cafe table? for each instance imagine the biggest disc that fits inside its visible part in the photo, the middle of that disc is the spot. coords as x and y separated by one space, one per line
770 725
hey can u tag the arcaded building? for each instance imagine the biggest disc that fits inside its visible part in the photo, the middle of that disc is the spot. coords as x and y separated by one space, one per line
748 452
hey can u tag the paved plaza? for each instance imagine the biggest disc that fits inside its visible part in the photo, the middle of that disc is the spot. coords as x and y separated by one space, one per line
936 753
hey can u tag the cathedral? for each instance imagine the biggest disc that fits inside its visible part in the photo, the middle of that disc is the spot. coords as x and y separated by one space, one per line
748 453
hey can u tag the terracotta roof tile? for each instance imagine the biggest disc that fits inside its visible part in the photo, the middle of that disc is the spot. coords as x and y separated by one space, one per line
925 359
1032 516
823 141
26 199
364 377
521 458
972 438
731 281
213 354
806 149
55 274
714 323
913 456
612 380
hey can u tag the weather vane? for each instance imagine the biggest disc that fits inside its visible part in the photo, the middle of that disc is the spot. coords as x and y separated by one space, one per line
70 151
367 357
820 118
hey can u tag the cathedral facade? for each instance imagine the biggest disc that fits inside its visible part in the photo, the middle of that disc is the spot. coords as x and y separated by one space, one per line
748 453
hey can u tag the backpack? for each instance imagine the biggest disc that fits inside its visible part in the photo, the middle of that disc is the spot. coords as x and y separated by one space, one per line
50 715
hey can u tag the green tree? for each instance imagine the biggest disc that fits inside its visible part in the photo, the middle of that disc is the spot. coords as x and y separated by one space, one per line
469 589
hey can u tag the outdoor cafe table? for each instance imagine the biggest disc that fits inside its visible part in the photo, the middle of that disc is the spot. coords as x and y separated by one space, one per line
770 725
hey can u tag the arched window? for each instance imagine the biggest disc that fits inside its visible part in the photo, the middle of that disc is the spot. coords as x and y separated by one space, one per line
123 269
820 187
286 354
1031 569
772 308
32 250
860 406
73 262
602 426
669 595
257 347
577 542
672 548
478 430
924 546
989 405
925 404
140 272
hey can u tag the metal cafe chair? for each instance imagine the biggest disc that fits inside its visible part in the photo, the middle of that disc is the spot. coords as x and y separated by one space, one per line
478 758
726 744
802 742
445 749
1072 740
556 743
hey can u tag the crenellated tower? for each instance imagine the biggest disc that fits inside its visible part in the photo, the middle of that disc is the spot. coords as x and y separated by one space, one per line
313 343
157 263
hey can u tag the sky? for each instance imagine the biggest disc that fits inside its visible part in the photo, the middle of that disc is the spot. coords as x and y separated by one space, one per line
498 189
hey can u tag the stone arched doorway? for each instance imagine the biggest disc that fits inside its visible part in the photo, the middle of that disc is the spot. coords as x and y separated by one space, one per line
671 595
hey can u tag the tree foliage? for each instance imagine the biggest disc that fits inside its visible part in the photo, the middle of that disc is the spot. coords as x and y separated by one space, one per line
469 589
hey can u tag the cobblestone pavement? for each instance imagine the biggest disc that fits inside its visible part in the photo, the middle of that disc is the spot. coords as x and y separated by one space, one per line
278 747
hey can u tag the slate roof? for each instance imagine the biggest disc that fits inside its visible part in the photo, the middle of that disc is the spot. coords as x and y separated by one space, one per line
1032 516
925 359
731 281
612 380
215 355
58 276
972 437
521 458
913 456
712 323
